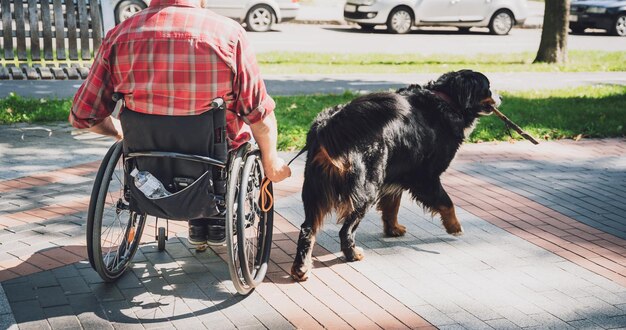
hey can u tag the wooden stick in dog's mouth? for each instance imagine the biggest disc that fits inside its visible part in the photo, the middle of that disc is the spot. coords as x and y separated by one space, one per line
514 126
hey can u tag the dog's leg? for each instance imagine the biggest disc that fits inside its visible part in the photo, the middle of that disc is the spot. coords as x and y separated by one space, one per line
303 261
316 205
347 233
389 206
449 220
445 207
436 198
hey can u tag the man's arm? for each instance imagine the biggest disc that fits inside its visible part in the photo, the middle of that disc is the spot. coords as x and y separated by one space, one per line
265 134
93 102
256 108
109 126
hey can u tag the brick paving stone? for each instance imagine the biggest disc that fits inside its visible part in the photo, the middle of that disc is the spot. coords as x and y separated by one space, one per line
498 272
51 296
89 320
7 321
74 285
502 324
27 311
90 276
128 281
35 325
62 317
19 292
106 292
65 271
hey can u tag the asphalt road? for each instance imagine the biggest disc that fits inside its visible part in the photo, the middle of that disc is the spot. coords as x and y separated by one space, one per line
343 38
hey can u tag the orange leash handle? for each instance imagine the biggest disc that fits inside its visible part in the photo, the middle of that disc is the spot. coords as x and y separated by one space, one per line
267 199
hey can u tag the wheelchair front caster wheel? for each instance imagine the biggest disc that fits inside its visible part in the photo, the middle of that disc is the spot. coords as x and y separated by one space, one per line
161 238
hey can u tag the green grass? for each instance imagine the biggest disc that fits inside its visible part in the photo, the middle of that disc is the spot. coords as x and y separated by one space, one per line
308 63
295 114
15 109
590 111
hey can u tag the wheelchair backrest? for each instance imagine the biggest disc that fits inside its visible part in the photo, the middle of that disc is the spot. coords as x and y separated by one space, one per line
202 135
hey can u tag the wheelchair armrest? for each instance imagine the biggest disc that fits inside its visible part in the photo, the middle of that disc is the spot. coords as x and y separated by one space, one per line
165 154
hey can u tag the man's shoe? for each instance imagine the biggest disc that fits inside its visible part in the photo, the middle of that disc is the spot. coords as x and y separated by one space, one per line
216 235
197 234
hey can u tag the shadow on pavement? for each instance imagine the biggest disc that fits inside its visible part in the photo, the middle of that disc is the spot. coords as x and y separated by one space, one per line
590 191
159 288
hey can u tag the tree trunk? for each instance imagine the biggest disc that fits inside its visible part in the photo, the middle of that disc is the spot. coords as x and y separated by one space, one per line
553 46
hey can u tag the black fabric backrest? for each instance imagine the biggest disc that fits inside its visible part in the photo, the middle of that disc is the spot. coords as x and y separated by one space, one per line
183 134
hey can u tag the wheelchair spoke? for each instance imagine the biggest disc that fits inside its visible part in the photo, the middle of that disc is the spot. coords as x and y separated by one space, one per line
116 224
114 230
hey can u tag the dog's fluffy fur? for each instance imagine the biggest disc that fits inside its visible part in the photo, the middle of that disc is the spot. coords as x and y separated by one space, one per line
379 145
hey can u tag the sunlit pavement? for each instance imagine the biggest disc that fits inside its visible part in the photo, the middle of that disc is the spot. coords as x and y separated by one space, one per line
544 246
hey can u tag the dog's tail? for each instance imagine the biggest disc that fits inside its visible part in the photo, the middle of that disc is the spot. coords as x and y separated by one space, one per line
334 134
360 122
324 183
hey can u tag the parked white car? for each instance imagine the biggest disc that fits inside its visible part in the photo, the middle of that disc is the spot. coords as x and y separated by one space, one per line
400 15
256 15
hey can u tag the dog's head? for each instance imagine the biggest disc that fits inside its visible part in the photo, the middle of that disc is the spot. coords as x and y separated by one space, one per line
468 90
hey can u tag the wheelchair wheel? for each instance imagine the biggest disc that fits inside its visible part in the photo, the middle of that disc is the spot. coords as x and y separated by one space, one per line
113 231
161 238
248 228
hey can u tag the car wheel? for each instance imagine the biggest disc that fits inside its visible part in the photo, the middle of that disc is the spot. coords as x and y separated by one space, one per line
619 28
128 8
400 21
501 23
367 27
577 29
260 18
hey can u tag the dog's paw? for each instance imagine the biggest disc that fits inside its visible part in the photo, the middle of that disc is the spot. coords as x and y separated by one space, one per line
353 254
397 231
299 273
455 231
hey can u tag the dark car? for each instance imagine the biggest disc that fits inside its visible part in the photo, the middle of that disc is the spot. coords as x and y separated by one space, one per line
609 15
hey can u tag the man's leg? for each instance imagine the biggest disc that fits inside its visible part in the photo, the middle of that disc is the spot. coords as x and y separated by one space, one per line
198 231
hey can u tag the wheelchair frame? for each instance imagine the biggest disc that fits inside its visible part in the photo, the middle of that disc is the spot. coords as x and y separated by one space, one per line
248 229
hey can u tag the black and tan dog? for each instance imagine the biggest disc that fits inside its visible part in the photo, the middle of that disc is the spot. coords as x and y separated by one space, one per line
379 145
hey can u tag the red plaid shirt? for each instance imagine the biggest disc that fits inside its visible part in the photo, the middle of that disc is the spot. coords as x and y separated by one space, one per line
174 58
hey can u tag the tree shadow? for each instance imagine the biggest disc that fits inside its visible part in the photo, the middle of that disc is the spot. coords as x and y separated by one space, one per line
590 190
152 291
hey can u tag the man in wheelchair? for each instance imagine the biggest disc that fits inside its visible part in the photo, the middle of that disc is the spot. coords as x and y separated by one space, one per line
173 59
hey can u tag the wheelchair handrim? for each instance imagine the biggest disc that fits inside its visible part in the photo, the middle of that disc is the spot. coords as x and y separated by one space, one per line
116 257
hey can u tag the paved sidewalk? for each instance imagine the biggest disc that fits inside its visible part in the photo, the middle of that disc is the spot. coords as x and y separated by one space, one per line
304 84
544 247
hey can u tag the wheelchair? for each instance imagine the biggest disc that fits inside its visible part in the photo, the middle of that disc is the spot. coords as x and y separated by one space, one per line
206 180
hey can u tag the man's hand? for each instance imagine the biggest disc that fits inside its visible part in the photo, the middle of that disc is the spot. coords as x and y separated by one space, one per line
110 127
265 135
276 169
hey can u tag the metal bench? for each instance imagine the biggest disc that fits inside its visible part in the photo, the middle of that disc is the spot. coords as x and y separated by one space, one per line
70 30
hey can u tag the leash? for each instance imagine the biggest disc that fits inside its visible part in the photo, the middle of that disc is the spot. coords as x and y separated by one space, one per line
298 155
267 199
